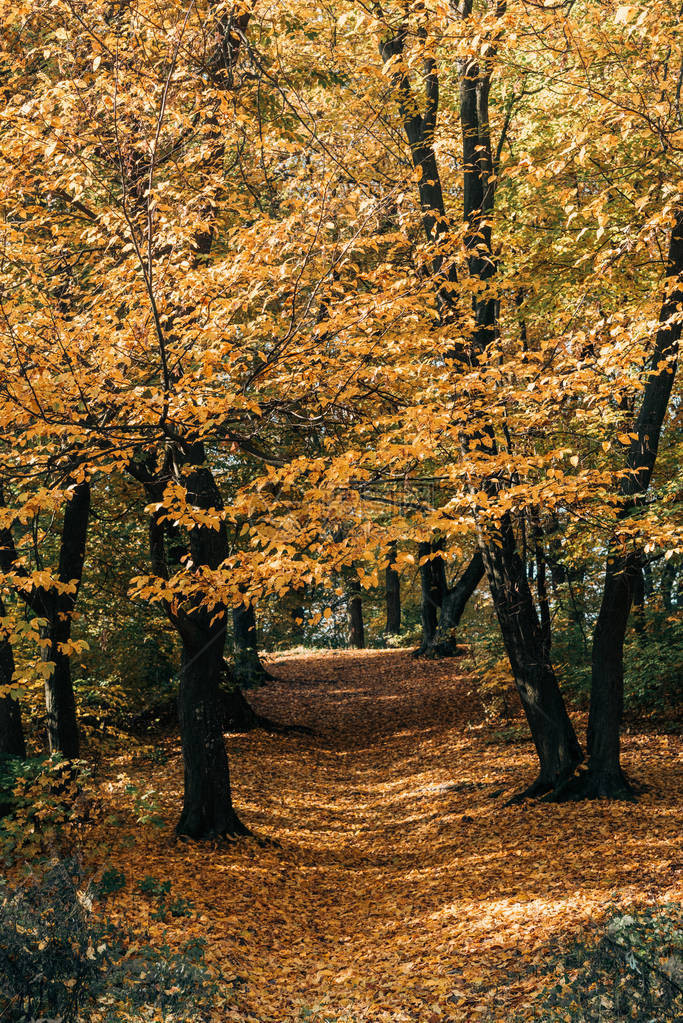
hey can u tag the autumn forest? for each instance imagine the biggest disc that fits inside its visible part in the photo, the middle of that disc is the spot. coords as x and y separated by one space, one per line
341 512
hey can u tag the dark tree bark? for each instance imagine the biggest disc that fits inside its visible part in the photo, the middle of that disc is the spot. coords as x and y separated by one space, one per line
60 702
419 130
356 633
393 595
541 583
11 730
453 607
207 801
207 806
432 591
605 777
556 743
249 670
57 608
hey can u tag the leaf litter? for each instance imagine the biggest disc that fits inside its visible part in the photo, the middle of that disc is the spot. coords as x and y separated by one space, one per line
388 882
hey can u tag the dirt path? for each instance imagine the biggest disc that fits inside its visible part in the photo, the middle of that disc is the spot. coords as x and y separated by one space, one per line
401 888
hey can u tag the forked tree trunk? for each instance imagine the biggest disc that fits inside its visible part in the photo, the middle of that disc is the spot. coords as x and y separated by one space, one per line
432 592
525 644
207 802
11 730
393 595
605 777
453 607
553 734
556 744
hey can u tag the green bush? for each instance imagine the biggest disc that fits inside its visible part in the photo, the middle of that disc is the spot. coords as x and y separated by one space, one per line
40 806
632 971
60 959
111 882
654 669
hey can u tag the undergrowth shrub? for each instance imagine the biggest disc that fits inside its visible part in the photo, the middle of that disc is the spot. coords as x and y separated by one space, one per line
653 678
41 806
633 970
653 667
496 690
60 959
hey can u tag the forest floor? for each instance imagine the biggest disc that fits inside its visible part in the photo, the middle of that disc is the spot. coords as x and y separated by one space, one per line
397 885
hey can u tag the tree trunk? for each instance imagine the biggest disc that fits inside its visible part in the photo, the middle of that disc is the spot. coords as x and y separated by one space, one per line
605 777
249 671
356 633
419 130
58 610
11 730
432 586
207 805
393 595
556 744
453 607
552 731
60 702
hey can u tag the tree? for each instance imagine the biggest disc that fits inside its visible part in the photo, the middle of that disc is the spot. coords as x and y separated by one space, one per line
554 737
248 668
207 804
604 777
11 730
392 589
356 633
53 601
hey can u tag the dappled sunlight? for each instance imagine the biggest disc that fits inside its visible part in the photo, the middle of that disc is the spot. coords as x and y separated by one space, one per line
394 884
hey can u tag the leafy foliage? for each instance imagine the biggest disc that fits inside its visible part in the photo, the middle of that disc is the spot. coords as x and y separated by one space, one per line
59 958
292 296
42 805
634 971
